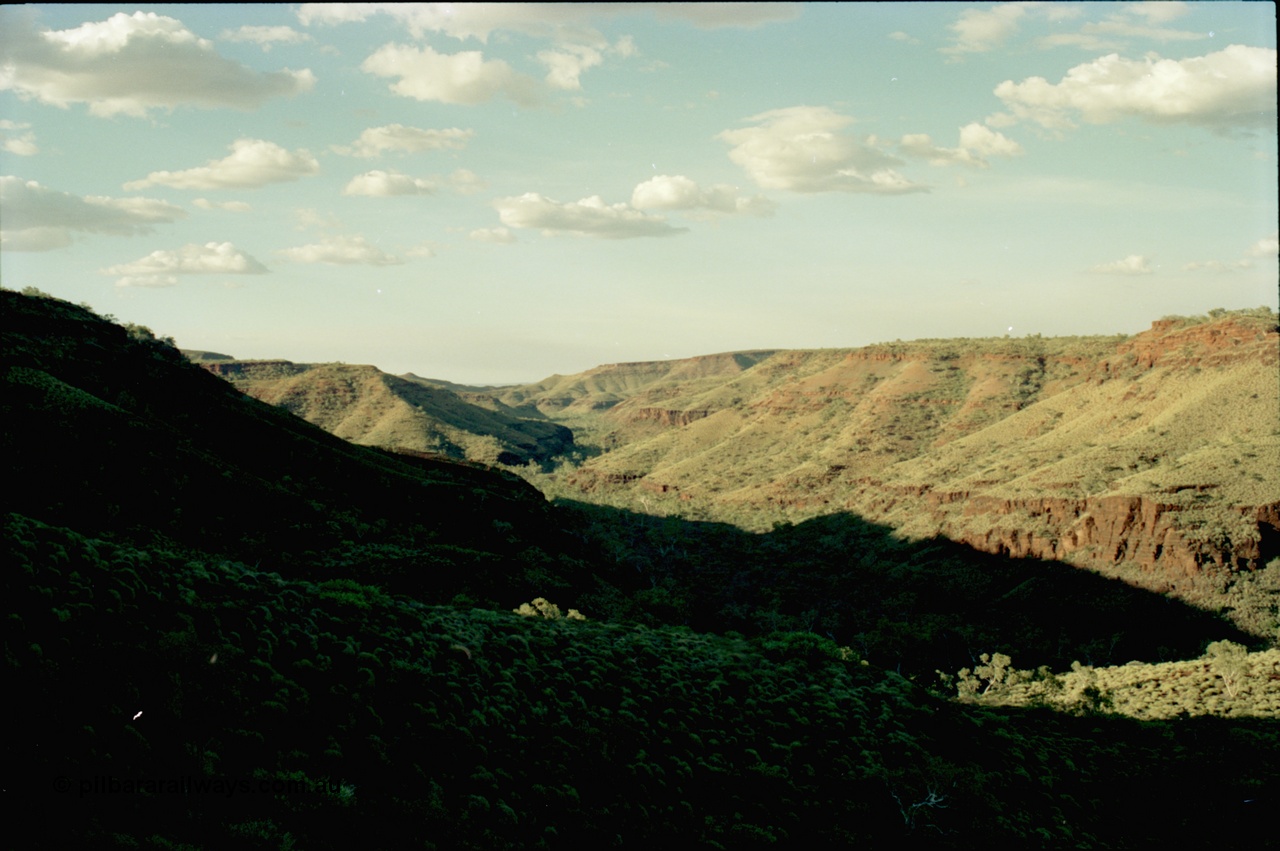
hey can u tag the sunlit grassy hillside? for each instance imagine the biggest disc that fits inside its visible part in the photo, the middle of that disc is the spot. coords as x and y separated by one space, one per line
1156 456
369 407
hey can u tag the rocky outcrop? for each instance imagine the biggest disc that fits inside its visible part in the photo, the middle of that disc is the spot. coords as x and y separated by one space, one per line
1140 531
663 417
254 369
1169 343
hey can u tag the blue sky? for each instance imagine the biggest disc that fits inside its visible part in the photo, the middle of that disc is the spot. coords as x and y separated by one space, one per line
493 193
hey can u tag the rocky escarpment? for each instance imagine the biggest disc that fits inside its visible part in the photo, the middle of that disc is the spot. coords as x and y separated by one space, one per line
1154 533
1157 454
663 416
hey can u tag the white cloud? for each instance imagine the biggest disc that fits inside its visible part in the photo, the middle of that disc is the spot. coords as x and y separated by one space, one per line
252 163
625 47
17 138
1159 11
976 142
801 150
668 192
460 78
501 236
565 22
1082 41
162 268
378 183
565 65
1268 246
717 15
899 35
266 36
343 251
588 217
397 137
466 182
984 141
129 64
312 218
228 206
920 146
1232 89
1134 264
37 218
981 30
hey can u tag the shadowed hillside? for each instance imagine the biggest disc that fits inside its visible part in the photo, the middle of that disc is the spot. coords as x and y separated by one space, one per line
229 628
112 432
369 407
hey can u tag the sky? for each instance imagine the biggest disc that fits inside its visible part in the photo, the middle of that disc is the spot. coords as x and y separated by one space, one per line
491 194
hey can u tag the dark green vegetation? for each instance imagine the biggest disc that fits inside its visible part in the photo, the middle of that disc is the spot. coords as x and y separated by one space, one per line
227 628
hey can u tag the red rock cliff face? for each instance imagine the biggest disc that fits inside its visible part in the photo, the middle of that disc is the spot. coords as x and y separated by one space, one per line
1099 532
1208 344
1110 530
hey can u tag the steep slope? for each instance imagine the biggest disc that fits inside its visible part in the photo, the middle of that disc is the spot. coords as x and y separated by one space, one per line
111 431
1158 454
369 407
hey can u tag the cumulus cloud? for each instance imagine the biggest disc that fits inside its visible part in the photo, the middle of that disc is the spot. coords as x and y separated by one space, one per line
981 30
588 217
16 138
676 192
984 141
252 163
397 137
1230 90
162 268
501 236
1134 264
342 251
1268 246
565 65
920 146
459 78
801 149
129 64
37 218
977 142
265 37
466 182
380 184
228 206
